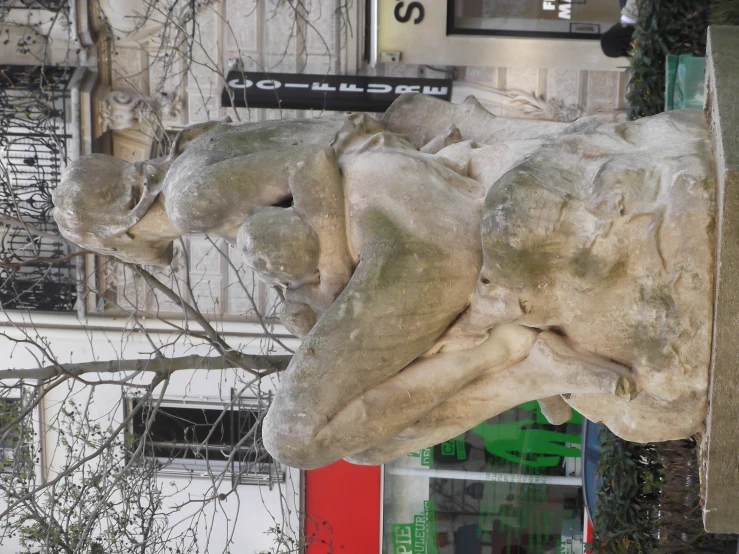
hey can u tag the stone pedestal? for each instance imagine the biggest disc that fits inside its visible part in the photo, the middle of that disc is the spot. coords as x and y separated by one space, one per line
720 450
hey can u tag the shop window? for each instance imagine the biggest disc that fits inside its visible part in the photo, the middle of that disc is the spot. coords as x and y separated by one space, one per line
509 485
533 18
201 439
9 442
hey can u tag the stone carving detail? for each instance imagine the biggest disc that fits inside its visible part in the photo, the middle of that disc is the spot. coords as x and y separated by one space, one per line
170 106
443 265
122 110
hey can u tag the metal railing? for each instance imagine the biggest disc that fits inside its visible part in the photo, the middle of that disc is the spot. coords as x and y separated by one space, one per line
34 104
252 464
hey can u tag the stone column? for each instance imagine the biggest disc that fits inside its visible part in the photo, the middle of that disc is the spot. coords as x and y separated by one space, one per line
720 448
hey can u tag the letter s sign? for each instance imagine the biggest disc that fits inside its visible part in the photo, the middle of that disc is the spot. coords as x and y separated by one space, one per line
405 17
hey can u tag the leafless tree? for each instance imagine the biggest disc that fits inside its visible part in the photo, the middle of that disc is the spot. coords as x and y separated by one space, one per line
106 491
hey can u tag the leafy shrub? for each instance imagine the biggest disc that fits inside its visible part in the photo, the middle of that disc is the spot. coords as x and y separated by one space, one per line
649 499
664 27
680 513
626 514
724 12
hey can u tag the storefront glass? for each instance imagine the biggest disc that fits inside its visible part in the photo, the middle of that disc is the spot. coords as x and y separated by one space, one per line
510 485
545 18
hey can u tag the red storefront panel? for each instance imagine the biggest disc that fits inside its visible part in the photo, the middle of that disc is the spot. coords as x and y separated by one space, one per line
342 505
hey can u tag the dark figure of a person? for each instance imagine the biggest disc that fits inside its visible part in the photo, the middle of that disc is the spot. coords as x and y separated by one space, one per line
616 41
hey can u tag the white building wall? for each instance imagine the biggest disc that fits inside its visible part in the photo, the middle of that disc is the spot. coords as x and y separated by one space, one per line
244 516
268 36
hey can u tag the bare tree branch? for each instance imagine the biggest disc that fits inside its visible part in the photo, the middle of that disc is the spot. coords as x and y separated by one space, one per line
15 222
164 366
111 480
17 265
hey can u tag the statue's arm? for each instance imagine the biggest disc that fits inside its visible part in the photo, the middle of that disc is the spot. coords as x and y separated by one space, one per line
318 197
384 319
398 301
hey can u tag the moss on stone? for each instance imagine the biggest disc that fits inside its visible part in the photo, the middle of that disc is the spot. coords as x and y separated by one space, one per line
660 298
513 266
585 265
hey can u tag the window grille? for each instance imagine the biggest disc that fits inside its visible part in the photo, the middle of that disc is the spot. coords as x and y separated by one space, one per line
203 438
34 104
10 408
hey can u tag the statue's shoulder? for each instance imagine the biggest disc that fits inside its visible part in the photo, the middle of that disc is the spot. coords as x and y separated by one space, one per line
421 118
204 145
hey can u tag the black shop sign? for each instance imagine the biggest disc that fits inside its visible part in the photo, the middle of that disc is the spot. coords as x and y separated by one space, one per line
325 92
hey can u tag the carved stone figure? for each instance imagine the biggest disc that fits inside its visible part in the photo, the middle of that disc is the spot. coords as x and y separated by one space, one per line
443 265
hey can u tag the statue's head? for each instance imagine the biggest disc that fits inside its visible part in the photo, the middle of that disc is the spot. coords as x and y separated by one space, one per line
108 205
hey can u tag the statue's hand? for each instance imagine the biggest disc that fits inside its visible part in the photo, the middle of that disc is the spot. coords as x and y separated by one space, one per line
318 296
460 335
298 318
357 128
318 197
451 135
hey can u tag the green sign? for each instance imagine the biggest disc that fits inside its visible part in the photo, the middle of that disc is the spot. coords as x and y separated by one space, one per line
418 537
403 538
521 442
526 443
454 447
426 455
515 507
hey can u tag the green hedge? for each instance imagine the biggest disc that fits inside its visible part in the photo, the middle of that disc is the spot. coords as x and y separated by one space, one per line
626 513
649 499
664 27
724 12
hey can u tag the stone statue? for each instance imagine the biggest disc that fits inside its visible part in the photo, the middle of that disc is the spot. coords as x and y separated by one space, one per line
444 265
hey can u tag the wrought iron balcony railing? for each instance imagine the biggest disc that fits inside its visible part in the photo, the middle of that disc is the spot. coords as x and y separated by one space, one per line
34 132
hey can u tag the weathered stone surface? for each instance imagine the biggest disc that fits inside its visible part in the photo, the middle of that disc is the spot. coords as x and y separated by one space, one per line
481 75
522 79
444 265
563 85
602 90
720 451
279 245
584 230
